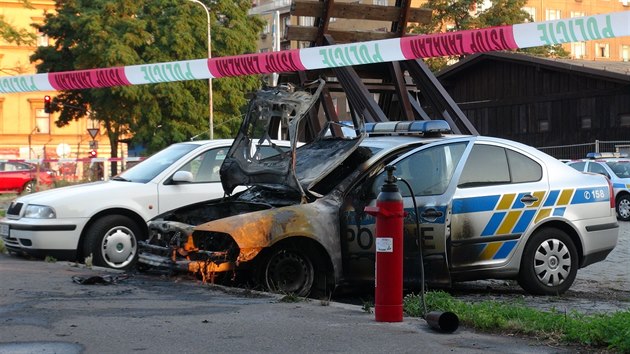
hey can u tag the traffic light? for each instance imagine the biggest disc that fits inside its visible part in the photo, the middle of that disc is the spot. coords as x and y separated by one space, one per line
93 153
47 104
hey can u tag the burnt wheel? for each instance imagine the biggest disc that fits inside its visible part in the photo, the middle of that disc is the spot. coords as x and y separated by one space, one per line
289 272
549 263
113 242
623 207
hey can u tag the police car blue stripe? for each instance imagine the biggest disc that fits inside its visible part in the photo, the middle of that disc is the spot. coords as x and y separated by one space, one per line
524 221
551 199
559 211
505 250
493 224
475 204
590 195
619 185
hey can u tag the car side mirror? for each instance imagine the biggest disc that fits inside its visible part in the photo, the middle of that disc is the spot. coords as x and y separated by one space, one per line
182 177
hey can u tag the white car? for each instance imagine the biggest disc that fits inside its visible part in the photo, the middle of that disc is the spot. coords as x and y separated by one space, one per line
107 219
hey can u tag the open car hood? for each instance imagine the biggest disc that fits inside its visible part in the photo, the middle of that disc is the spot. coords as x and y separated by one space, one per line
278 113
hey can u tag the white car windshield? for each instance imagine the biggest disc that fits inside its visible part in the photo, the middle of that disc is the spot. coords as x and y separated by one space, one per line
154 165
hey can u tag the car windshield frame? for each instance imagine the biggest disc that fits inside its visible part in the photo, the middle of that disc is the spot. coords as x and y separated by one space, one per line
150 168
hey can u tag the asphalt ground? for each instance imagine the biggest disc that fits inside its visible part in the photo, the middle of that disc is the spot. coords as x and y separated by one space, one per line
43 311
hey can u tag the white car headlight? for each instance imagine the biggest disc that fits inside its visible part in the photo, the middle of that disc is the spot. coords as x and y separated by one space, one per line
39 212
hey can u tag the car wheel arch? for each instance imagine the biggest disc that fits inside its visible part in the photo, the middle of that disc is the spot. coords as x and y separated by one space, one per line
115 211
568 229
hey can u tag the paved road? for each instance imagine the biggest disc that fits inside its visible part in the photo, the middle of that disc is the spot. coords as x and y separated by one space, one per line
43 311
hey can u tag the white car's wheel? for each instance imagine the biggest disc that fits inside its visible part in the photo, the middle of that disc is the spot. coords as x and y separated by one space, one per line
113 242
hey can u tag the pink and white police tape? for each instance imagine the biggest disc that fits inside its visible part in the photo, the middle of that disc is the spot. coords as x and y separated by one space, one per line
525 35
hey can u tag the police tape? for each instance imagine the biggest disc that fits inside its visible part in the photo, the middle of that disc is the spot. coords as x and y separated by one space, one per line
526 35
74 160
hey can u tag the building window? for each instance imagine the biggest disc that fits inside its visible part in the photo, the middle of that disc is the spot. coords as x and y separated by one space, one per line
42 121
306 21
264 50
585 123
625 53
42 40
602 50
577 14
551 14
267 28
380 2
624 120
531 11
543 126
578 50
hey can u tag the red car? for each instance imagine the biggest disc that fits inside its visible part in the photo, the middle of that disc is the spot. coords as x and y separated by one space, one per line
21 177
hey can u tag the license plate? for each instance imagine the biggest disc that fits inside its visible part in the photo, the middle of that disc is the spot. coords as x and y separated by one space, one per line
4 230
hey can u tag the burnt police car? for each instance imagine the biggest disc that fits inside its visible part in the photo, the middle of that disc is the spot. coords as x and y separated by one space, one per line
486 207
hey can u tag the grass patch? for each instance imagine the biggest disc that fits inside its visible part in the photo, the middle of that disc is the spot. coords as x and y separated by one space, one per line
3 213
609 331
2 248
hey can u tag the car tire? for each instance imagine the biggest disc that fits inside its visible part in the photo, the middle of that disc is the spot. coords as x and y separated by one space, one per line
623 207
288 271
29 187
113 242
549 263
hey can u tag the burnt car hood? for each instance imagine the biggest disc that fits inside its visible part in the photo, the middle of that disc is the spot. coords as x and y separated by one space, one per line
278 113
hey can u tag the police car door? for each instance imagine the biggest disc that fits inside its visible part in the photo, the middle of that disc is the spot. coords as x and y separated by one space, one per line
428 170
428 173
498 194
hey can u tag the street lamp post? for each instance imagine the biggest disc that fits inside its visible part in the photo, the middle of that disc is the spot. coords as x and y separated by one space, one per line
211 120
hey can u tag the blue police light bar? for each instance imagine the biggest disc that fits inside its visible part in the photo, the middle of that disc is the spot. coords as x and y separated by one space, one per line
603 155
418 126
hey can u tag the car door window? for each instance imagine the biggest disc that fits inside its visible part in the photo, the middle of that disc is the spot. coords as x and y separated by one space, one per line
578 165
597 168
486 165
522 168
489 165
428 171
205 167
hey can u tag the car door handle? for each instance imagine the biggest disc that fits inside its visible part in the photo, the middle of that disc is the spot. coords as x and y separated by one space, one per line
529 199
431 213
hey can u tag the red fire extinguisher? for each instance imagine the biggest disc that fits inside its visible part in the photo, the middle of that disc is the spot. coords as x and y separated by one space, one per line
388 287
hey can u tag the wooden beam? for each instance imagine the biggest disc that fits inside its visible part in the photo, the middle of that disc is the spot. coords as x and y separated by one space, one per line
400 26
309 34
359 11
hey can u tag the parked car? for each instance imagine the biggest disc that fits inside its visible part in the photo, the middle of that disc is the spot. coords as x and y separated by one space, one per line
486 207
22 177
617 169
106 219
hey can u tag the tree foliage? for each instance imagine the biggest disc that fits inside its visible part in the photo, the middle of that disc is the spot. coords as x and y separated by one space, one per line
450 15
109 33
11 34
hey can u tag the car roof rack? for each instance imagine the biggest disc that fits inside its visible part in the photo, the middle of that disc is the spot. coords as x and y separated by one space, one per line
426 127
